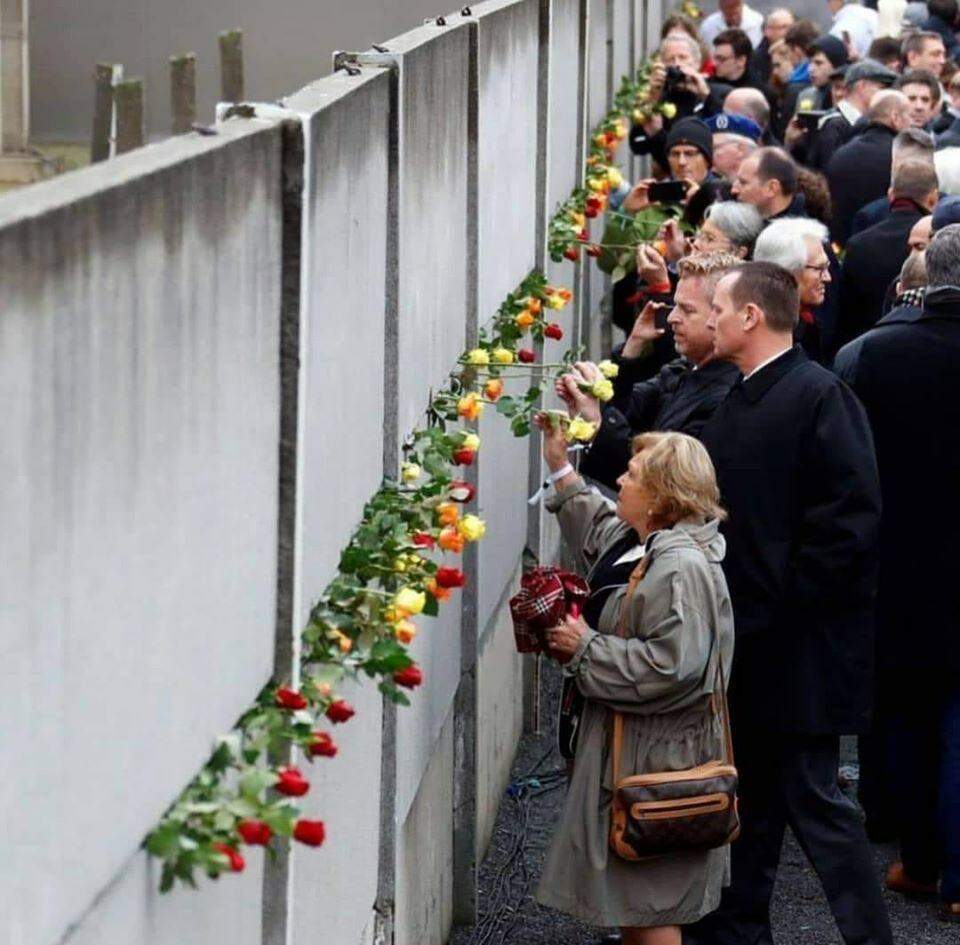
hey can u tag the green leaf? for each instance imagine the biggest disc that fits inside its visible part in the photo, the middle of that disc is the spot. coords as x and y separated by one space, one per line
431 608
506 406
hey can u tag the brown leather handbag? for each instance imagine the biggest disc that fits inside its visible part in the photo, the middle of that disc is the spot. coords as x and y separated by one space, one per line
674 811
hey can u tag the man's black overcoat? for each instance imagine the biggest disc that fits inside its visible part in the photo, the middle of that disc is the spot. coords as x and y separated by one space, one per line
797 473
908 378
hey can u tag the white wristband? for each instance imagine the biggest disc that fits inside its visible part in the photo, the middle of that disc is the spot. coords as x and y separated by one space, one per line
552 478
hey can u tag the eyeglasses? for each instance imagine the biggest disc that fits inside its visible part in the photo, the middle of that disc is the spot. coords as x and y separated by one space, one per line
820 270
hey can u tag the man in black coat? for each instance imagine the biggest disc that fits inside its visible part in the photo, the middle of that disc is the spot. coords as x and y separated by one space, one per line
914 426
860 171
682 396
874 257
796 469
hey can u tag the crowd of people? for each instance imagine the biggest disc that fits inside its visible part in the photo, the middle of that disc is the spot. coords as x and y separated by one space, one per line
783 424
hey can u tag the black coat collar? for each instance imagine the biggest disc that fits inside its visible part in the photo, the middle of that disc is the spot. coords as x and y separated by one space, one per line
758 384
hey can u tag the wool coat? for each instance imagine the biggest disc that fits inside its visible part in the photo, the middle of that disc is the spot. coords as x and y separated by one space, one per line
905 372
797 473
660 677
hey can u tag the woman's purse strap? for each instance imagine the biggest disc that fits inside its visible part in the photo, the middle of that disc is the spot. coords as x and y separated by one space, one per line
718 700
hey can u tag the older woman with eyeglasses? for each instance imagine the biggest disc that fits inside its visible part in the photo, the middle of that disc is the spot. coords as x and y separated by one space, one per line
797 244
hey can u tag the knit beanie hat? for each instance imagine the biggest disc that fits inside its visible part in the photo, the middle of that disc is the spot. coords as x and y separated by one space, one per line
695 132
832 47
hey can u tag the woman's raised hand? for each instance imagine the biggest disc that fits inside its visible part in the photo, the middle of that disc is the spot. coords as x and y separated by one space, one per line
651 266
554 442
674 241
644 331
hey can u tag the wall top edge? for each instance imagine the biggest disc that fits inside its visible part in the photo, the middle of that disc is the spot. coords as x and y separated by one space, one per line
480 11
58 193
327 91
420 36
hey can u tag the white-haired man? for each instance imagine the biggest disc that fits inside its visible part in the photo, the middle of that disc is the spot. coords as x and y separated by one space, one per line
797 244
734 138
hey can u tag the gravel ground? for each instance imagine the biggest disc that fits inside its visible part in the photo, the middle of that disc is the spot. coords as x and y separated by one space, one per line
508 876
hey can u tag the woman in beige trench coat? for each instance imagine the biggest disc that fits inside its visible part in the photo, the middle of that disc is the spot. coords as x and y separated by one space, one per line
667 512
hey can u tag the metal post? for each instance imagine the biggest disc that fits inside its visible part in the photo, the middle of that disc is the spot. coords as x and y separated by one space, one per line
183 92
231 66
128 96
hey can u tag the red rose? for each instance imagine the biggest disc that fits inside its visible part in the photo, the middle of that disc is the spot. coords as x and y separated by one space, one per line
583 236
463 456
409 678
340 711
526 356
290 699
594 250
322 744
236 860
310 832
450 577
423 540
254 832
461 491
553 330
291 782
572 253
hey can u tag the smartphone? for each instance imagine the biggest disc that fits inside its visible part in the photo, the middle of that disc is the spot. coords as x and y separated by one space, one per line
667 191
810 119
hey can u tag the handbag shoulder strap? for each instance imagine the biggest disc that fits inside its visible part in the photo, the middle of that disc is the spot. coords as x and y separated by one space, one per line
718 700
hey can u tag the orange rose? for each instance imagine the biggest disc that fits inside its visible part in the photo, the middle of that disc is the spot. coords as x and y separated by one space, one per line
440 593
447 513
493 389
470 406
450 539
525 319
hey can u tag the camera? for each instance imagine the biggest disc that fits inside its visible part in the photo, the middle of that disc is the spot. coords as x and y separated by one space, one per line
674 82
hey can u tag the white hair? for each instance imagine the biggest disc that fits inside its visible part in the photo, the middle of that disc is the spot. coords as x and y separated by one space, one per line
782 242
947 163
679 37
740 223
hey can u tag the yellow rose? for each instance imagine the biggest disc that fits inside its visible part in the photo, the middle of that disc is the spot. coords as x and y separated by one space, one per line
471 528
410 472
609 369
580 429
525 319
602 389
408 602
555 302
668 110
579 219
470 441
595 184
478 356
615 177
502 356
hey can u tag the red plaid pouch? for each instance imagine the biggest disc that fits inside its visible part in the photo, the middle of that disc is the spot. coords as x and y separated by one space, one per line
545 595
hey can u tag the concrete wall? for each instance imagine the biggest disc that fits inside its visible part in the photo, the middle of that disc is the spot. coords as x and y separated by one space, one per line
180 483
139 343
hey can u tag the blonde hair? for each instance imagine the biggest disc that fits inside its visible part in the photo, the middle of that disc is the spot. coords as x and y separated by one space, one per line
677 469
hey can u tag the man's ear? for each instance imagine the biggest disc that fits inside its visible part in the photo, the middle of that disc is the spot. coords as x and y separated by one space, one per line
751 316
889 193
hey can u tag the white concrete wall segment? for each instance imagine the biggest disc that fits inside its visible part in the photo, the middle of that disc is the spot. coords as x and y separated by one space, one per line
285 46
132 912
507 34
598 61
429 316
139 375
566 78
500 701
346 125
621 14
425 868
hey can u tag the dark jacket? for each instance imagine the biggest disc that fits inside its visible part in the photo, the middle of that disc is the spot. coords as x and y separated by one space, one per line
678 398
907 308
795 464
874 212
760 64
873 258
858 173
950 137
907 377
834 132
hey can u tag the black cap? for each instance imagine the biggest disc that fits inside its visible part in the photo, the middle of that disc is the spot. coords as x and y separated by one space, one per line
833 48
692 131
